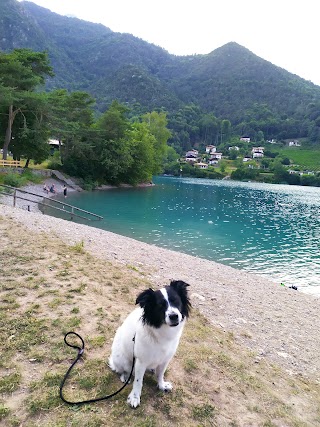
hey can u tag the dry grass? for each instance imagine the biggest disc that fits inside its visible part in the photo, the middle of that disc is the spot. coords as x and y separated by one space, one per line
48 289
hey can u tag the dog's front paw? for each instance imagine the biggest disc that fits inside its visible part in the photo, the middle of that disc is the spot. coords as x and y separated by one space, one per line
133 400
165 386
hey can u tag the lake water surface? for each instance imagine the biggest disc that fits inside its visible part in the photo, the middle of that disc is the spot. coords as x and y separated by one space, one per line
271 230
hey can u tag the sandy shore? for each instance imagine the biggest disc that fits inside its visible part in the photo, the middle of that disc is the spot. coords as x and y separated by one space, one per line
279 324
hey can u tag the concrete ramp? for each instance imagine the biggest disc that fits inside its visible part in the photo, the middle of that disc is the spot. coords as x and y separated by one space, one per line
68 181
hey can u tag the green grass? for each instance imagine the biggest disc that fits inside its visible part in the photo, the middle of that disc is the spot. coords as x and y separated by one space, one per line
307 159
14 179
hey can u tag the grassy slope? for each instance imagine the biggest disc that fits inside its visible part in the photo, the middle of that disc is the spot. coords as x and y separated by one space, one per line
307 159
48 288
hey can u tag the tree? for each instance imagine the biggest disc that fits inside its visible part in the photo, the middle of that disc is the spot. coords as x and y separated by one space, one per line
280 173
225 130
71 118
223 165
142 151
21 72
209 129
157 125
114 121
31 133
112 143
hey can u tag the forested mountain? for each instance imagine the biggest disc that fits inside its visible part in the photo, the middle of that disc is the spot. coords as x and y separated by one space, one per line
229 83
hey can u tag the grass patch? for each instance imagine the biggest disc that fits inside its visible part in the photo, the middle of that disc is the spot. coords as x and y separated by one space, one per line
4 411
308 159
10 382
14 179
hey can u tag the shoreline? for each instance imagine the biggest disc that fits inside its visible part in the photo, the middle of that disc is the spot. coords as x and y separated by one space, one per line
277 323
38 190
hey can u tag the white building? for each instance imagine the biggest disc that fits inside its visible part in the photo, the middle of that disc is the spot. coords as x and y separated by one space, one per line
210 149
257 152
201 165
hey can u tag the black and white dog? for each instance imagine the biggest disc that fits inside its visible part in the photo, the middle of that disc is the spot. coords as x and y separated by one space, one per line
156 327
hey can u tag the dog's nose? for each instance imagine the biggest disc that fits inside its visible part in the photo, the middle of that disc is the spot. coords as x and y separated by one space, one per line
173 317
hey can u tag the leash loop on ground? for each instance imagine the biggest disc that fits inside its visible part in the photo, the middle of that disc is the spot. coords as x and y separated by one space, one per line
79 355
80 350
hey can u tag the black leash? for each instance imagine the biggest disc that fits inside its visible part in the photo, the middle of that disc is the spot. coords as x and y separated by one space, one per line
80 353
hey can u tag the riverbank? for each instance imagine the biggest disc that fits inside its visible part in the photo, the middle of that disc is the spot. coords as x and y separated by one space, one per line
37 191
279 323
249 355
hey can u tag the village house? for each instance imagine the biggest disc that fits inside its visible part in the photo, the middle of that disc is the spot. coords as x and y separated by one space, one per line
294 144
201 165
257 152
235 147
214 159
210 149
246 159
54 145
245 139
192 156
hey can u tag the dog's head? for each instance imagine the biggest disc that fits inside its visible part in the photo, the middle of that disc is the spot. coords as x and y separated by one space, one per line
169 305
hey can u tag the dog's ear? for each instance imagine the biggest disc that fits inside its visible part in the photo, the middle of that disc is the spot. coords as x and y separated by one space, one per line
145 297
181 288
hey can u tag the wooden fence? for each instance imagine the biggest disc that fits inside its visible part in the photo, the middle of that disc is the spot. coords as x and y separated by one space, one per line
10 163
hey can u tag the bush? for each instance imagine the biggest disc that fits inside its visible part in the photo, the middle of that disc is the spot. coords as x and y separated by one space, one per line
12 179
55 161
28 176
88 184
17 180
243 174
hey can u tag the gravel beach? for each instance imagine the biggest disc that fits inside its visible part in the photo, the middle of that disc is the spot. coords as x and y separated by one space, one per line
279 324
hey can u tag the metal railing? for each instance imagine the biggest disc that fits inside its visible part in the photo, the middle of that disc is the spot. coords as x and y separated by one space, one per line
47 203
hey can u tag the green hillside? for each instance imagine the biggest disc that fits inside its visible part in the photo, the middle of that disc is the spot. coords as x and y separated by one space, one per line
305 159
198 92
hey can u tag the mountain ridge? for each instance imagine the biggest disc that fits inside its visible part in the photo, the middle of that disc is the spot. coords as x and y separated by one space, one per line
230 82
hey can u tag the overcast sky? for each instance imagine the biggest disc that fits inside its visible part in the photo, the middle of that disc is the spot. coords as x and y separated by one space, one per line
282 32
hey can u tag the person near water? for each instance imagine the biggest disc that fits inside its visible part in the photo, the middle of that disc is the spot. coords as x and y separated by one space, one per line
65 191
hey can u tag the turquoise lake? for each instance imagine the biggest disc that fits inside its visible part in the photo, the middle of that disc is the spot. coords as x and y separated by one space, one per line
271 230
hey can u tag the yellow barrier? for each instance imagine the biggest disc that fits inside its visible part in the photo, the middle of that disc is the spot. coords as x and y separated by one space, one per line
10 163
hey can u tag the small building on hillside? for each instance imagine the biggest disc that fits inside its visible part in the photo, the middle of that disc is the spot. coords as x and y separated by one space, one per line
54 145
192 156
210 149
245 139
257 152
201 165
234 147
294 144
214 159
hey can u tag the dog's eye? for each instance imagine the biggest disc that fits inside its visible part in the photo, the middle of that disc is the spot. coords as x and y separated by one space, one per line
174 302
163 304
